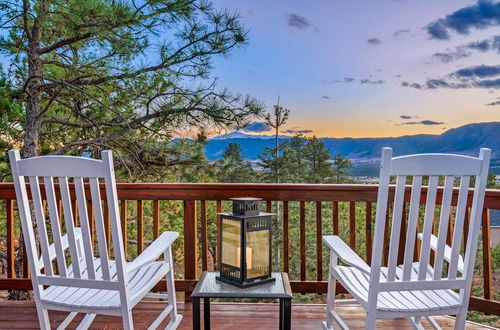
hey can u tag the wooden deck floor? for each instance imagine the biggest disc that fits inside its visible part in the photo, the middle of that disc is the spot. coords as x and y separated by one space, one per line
22 315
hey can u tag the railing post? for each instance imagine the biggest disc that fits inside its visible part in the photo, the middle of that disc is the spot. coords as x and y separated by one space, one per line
302 230
319 243
218 242
204 235
286 265
352 225
140 226
368 229
156 219
190 243
9 208
486 254
124 219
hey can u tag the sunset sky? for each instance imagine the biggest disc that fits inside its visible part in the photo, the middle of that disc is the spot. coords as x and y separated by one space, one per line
369 68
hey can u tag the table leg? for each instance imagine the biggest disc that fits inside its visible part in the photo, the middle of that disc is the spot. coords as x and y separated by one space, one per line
206 313
196 314
287 314
281 314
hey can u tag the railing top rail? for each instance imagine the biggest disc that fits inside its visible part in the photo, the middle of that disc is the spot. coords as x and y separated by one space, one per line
284 192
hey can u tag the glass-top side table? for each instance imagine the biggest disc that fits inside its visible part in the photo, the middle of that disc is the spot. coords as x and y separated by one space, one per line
208 288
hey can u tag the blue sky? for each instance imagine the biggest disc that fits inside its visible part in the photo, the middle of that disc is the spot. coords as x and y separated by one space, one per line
369 68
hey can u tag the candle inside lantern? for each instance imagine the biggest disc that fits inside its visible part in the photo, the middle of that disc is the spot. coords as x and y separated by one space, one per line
248 257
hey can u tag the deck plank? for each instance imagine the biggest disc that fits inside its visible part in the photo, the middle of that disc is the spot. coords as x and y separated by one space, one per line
22 315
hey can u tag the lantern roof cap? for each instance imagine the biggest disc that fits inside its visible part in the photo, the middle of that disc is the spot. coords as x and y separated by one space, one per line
249 199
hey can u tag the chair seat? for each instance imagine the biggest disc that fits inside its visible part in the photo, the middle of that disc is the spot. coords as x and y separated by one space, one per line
139 283
357 283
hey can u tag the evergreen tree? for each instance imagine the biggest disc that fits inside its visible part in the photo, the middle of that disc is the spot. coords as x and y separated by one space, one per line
232 167
279 118
341 167
269 164
293 162
317 156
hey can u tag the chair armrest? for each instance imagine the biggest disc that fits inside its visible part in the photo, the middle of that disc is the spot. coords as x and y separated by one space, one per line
153 251
447 251
346 254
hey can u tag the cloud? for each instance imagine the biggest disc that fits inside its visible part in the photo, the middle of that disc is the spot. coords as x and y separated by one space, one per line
442 83
408 117
299 22
399 34
497 102
324 97
297 130
397 76
480 76
482 46
437 30
479 71
257 127
413 85
495 44
374 41
450 56
372 82
464 51
348 80
493 83
425 122
482 15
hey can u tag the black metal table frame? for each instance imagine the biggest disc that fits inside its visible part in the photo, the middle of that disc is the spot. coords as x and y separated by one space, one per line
285 304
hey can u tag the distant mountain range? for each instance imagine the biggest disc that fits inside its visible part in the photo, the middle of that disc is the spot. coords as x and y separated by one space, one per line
365 152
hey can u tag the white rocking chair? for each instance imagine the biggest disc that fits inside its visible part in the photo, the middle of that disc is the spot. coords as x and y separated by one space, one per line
415 289
85 280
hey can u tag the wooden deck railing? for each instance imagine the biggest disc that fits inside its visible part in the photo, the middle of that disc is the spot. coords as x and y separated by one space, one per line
306 213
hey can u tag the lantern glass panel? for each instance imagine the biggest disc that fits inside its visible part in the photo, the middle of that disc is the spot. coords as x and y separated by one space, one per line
257 257
231 240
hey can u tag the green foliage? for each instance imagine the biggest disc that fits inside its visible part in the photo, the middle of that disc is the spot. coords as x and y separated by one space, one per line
495 259
303 160
491 181
341 167
317 157
232 167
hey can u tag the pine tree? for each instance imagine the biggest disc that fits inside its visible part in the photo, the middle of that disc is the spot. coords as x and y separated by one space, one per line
232 167
341 167
293 161
319 170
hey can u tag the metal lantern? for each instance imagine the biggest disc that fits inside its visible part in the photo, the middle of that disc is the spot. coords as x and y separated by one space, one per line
245 248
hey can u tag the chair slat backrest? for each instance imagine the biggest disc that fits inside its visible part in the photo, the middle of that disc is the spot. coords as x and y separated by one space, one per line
439 196
72 246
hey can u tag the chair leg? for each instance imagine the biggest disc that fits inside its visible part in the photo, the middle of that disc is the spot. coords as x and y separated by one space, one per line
175 318
330 296
415 323
43 318
371 321
128 321
460 321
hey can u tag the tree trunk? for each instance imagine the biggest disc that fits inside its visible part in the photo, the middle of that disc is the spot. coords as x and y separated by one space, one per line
32 134
33 100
